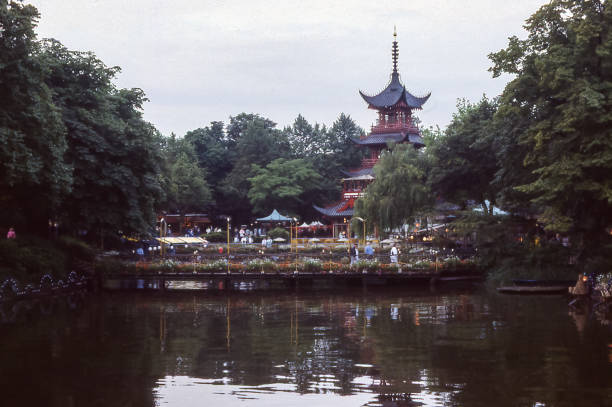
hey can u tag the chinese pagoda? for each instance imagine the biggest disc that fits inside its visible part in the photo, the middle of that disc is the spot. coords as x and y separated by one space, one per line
394 105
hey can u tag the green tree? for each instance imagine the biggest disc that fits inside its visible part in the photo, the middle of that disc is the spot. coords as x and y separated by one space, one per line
34 176
283 184
465 162
258 143
114 152
399 191
213 154
563 83
186 185
306 140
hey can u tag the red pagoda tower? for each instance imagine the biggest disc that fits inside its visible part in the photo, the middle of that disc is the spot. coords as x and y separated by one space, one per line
394 105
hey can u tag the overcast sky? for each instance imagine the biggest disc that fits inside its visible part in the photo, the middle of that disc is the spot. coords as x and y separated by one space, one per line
200 61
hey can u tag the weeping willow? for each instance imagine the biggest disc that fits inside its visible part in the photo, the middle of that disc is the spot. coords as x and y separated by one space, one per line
399 191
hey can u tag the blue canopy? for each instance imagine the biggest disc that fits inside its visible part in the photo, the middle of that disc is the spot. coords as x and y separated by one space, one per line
274 217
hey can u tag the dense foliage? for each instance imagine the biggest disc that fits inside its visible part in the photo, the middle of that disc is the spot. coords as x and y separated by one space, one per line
542 151
75 151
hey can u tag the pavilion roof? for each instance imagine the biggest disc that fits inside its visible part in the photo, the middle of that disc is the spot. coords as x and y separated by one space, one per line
394 93
337 210
274 217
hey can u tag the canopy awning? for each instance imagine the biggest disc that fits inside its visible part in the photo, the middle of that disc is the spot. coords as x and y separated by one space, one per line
274 217
182 240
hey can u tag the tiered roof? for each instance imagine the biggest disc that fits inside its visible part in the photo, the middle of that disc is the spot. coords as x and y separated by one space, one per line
395 93
336 210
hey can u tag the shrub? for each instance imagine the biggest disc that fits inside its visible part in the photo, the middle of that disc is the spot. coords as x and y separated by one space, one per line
278 232
27 259
217 266
367 265
312 266
76 248
216 236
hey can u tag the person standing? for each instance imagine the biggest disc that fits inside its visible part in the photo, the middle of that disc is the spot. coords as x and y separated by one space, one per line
393 254
140 253
369 251
355 254
11 234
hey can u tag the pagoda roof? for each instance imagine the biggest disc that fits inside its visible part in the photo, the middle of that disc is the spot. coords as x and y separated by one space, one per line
359 172
365 177
395 93
336 210
383 138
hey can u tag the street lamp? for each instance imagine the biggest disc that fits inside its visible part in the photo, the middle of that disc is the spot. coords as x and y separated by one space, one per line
261 252
296 243
364 227
162 233
228 245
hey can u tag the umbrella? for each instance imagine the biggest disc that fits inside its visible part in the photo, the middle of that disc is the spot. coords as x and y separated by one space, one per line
279 239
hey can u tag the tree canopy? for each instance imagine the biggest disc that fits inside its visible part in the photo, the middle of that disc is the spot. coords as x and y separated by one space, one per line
562 85
400 190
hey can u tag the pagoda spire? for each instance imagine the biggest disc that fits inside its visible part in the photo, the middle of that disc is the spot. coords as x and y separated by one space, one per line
394 51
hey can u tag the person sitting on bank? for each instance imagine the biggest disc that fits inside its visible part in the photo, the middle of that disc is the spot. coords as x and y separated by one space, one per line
11 234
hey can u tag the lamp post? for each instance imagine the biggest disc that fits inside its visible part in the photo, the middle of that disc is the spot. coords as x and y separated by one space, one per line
296 244
290 237
162 234
364 227
228 245
261 252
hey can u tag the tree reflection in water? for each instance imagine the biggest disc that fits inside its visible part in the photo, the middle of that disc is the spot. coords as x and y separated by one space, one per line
376 348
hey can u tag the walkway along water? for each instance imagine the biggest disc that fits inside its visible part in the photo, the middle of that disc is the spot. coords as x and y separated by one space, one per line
252 281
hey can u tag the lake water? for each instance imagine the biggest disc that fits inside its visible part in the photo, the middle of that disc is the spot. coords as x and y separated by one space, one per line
385 347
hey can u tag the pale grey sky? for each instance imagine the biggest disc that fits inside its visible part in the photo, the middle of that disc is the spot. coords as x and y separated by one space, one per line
200 61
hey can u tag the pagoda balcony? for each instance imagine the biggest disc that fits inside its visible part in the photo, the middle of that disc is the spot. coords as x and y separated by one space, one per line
394 128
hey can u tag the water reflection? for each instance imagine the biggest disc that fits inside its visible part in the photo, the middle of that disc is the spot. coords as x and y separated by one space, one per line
375 348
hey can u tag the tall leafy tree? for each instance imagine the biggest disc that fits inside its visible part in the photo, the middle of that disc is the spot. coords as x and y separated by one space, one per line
259 142
399 191
563 83
336 154
114 152
213 153
34 176
465 159
284 184
185 182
